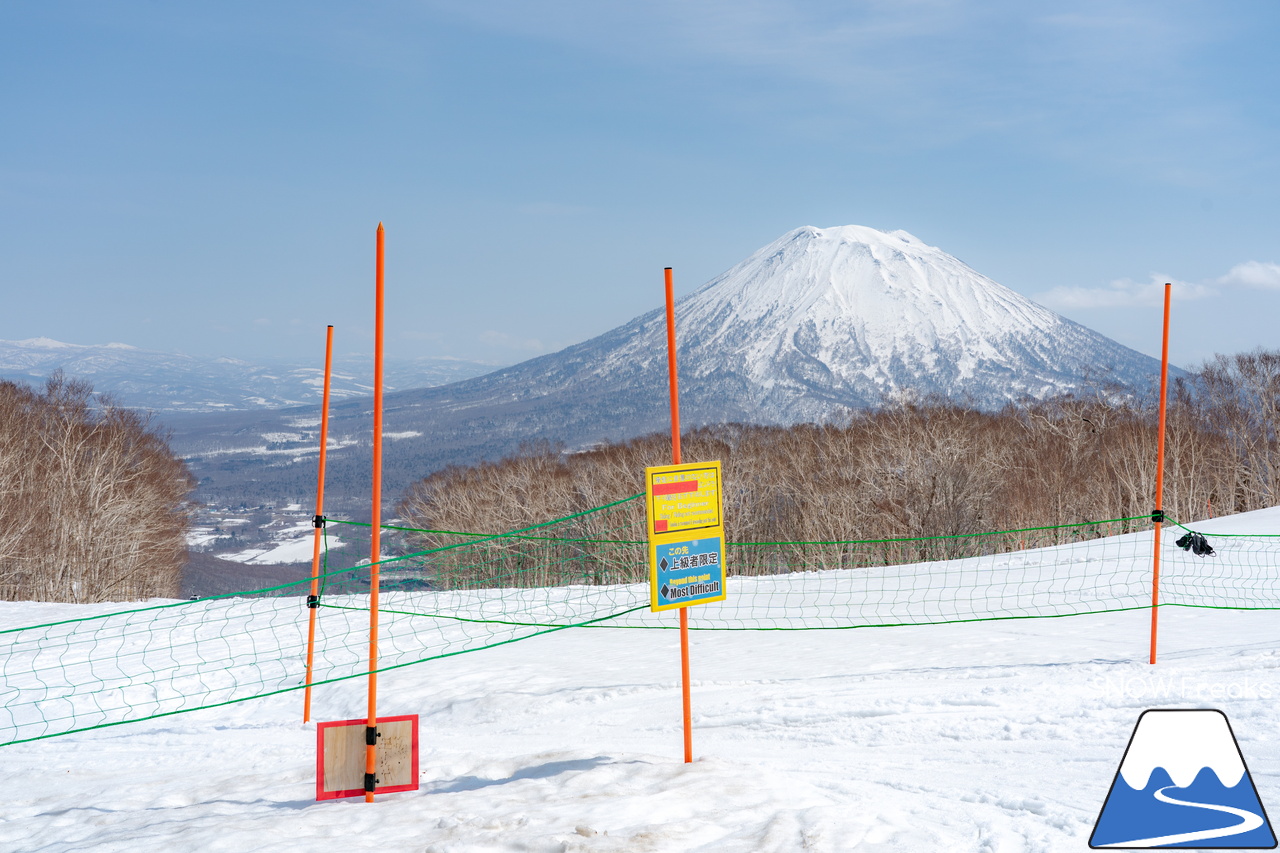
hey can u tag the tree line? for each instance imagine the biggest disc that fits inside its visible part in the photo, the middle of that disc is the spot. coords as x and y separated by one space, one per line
918 468
93 504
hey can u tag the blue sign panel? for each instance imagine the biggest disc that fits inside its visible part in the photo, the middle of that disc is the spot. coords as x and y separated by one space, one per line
687 572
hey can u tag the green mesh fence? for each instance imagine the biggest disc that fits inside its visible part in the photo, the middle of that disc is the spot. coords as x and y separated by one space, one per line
1060 571
445 593
1243 573
135 664
465 592
112 668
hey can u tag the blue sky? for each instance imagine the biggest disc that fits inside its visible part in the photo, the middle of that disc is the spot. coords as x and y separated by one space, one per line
208 177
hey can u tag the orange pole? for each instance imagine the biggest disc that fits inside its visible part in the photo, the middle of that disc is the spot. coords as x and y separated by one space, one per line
676 459
673 380
313 603
1158 515
375 527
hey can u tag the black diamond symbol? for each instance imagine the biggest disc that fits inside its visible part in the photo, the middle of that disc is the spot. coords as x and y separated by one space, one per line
666 593
663 564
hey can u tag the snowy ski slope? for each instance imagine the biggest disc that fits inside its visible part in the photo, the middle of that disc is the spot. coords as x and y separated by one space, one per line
996 736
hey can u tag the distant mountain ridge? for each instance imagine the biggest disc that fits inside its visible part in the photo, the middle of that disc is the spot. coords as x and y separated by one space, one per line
174 382
817 322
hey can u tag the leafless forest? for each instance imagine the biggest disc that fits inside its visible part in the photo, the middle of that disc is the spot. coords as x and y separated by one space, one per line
93 505
919 469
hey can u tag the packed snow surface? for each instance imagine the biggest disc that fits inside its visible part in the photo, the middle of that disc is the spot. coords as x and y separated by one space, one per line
985 736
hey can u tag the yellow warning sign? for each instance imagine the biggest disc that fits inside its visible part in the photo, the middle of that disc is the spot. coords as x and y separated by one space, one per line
683 498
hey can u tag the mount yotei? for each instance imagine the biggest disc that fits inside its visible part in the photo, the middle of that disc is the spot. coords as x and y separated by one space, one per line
843 317
820 320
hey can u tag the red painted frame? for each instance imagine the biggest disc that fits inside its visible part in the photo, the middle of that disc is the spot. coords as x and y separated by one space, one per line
322 794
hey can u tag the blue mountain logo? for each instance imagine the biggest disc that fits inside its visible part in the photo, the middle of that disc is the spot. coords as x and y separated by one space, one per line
1183 783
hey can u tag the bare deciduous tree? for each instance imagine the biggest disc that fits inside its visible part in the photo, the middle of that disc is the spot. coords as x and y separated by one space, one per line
93 505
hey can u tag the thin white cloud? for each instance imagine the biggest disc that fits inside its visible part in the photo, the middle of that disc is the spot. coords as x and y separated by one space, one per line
1124 293
1256 274
502 339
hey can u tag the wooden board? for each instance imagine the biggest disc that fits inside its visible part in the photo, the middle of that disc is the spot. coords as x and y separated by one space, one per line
340 757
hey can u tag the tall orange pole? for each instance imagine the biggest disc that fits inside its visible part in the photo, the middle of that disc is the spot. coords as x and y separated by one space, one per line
674 383
313 600
1158 515
375 526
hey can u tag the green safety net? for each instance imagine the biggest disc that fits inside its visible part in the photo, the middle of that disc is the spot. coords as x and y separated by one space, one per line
140 663
445 593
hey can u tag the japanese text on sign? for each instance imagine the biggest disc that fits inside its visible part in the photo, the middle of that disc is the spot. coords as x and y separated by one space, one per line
686 572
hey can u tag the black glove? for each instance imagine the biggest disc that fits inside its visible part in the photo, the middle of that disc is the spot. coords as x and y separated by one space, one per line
1196 544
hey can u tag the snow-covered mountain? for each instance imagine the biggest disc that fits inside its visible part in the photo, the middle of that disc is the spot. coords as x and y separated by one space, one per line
816 322
829 317
173 382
